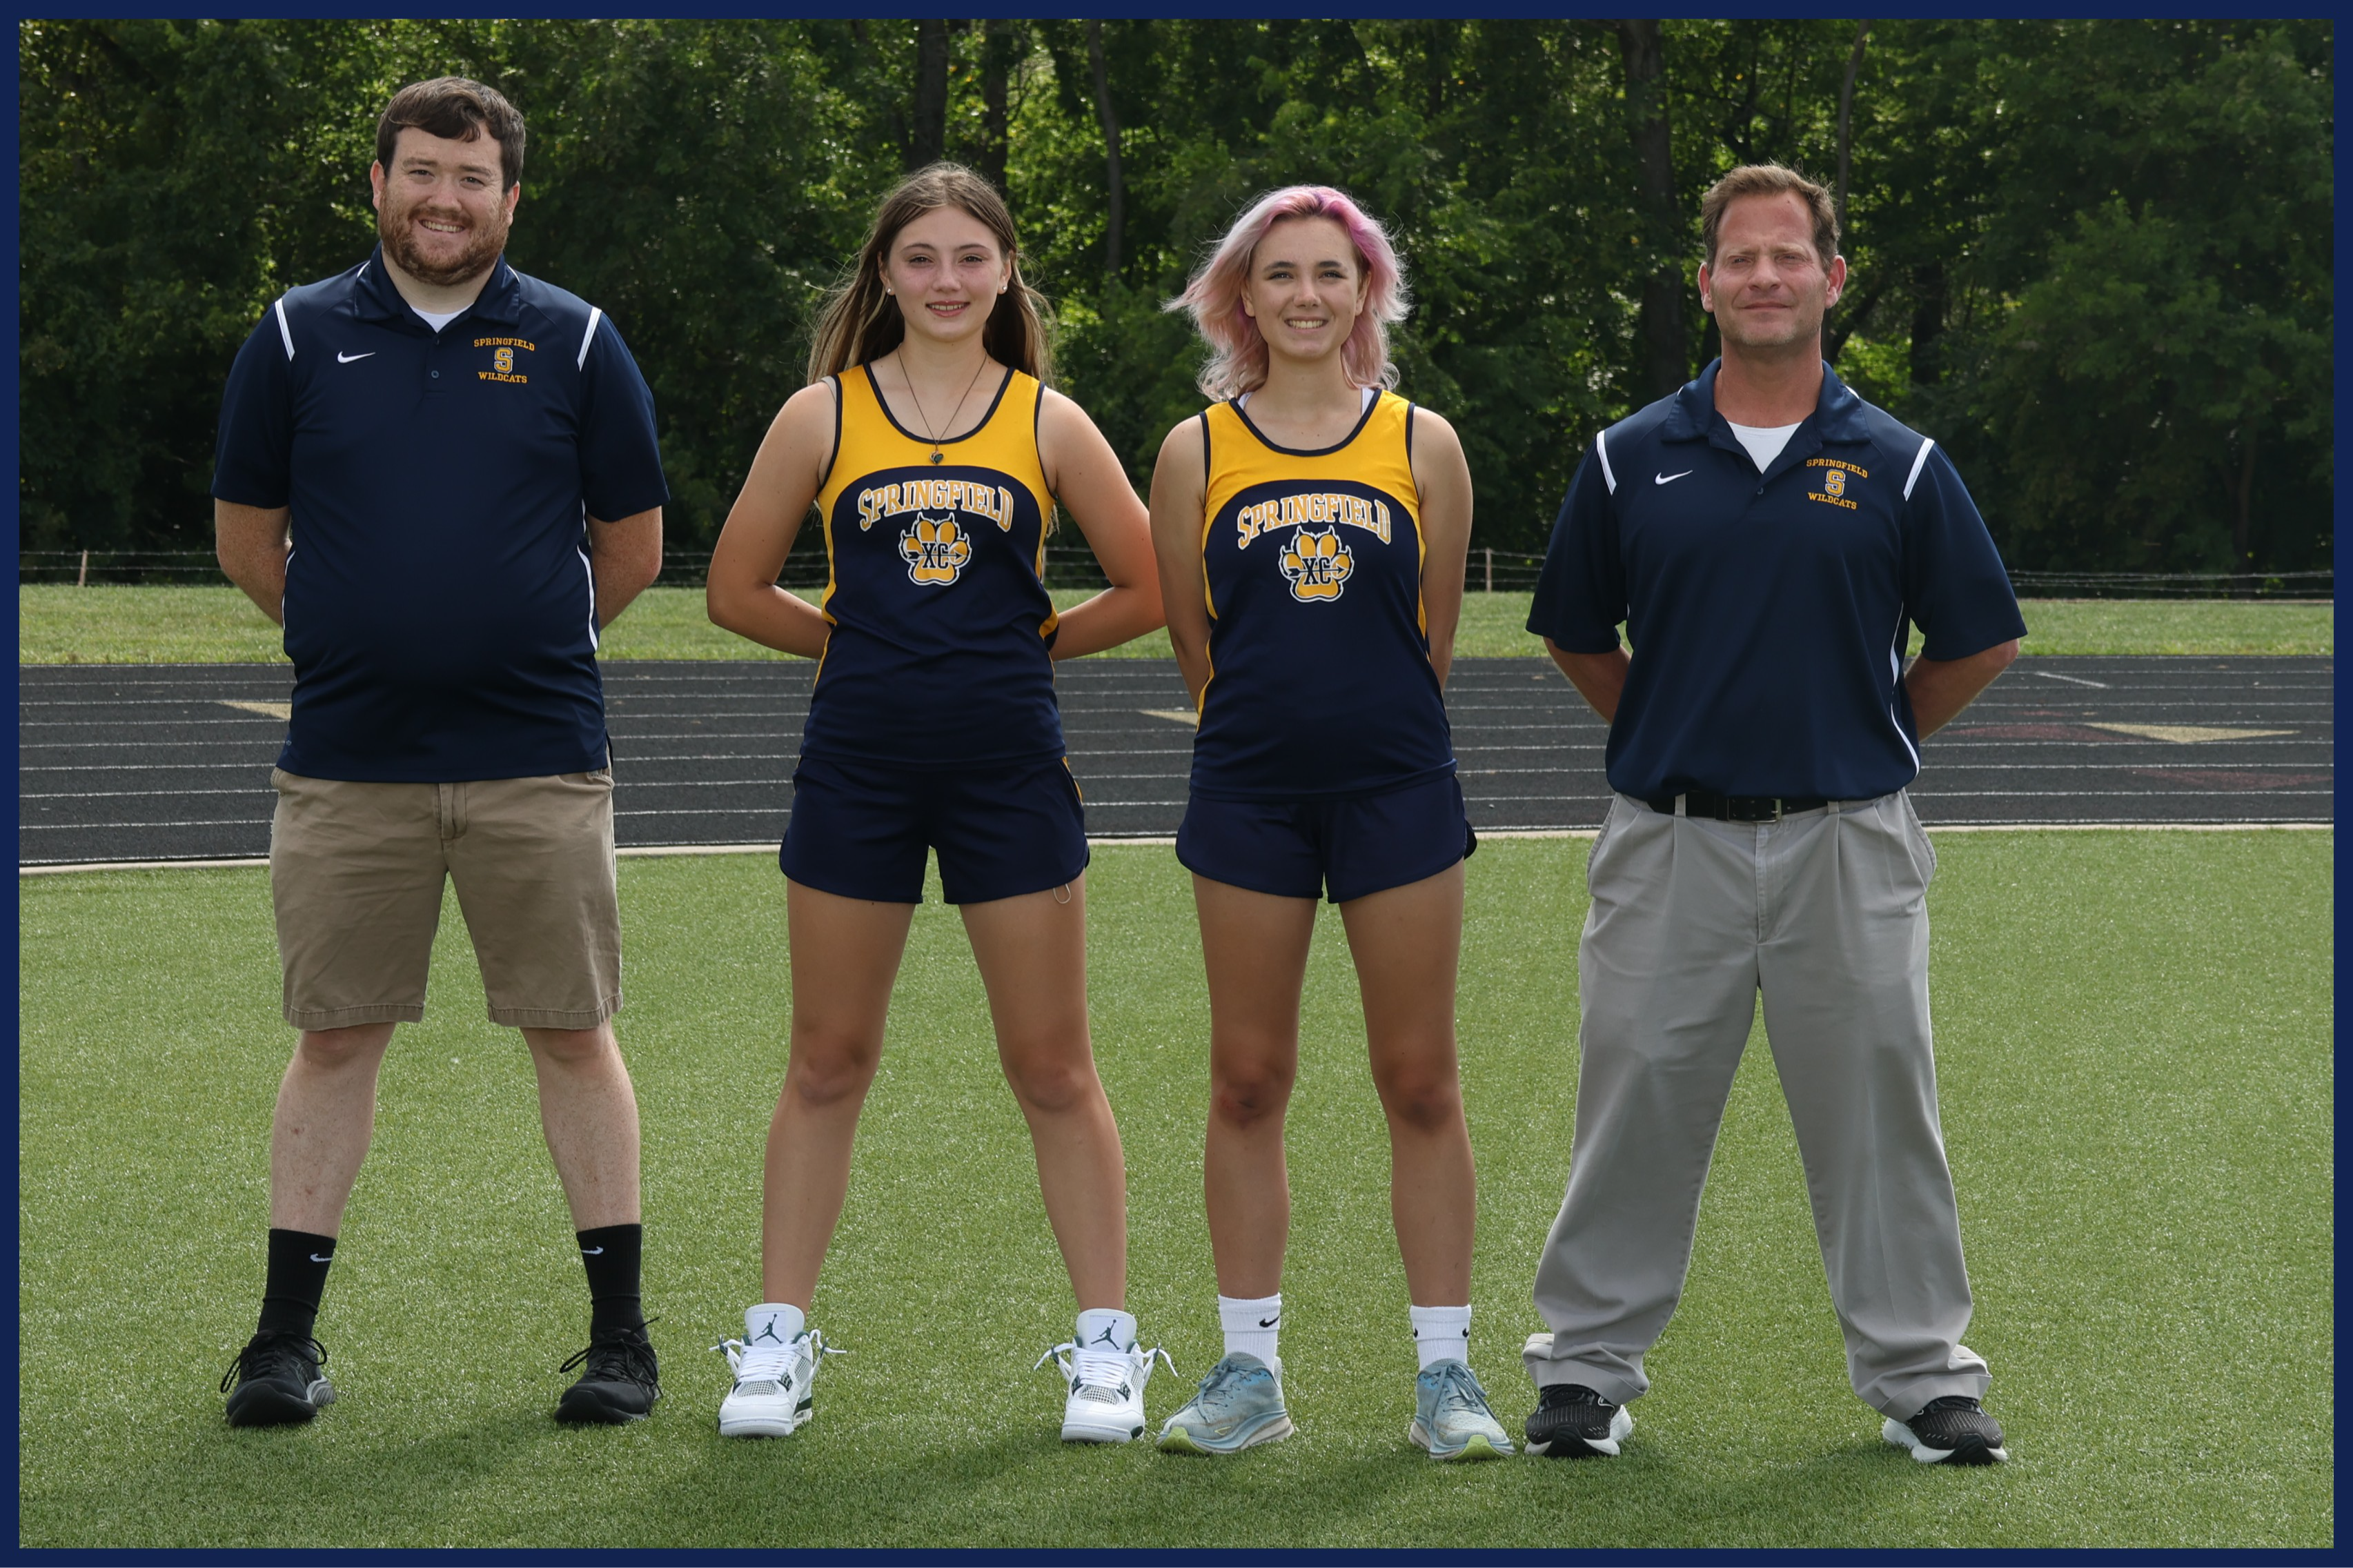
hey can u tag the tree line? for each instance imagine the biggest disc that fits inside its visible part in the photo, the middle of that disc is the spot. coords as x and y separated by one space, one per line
2092 257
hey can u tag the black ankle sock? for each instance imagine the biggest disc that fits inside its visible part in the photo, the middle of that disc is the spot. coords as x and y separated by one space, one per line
298 1276
612 1253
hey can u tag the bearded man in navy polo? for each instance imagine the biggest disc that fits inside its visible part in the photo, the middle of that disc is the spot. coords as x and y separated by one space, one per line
1768 540
440 476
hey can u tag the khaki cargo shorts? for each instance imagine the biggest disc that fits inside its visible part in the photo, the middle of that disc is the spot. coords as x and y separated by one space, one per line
356 872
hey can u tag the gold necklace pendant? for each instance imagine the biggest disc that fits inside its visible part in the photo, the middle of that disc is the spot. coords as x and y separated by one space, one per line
936 457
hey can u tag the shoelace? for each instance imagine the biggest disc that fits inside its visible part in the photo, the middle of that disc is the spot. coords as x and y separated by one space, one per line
1221 1381
768 1364
634 1351
262 1349
1096 1374
1459 1389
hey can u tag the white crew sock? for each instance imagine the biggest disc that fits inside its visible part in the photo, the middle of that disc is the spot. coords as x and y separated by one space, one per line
772 1325
1441 1333
1252 1325
1095 1322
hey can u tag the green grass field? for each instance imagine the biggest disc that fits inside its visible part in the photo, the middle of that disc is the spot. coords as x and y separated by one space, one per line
59 624
2134 1040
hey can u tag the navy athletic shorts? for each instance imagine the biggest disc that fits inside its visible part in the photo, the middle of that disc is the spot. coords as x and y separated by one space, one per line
861 830
1355 844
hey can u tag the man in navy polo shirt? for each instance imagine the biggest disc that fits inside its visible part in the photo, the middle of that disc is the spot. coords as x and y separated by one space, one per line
440 476
1768 539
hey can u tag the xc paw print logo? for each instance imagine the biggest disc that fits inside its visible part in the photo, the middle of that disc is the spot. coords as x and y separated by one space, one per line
1317 565
935 549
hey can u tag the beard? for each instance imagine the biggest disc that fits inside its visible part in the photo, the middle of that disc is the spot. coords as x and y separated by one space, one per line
396 226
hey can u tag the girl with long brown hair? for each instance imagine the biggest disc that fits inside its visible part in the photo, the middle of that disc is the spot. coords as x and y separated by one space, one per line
934 453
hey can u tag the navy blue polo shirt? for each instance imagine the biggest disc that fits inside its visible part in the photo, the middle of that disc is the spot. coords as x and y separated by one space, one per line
439 609
1768 613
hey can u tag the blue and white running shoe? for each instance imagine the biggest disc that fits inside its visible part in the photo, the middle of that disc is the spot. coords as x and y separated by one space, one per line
1451 1417
1237 1405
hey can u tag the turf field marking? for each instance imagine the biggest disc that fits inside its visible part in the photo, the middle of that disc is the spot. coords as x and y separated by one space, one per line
84 827
140 724
2074 680
2185 734
641 851
136 794
2138 767
1977 742
141 865
697 811
2133 827
1174 715
2084 794
699 757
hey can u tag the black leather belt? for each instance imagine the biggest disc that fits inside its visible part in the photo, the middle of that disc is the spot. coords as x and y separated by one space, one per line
1735 807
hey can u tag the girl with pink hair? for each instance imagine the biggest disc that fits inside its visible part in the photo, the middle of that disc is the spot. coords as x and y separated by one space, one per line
1312 528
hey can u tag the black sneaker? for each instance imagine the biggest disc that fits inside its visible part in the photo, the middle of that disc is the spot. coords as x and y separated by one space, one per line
620 1382
1572 1422
1949 1431
277 1379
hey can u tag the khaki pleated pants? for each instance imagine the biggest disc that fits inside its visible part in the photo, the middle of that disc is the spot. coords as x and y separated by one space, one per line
1825 912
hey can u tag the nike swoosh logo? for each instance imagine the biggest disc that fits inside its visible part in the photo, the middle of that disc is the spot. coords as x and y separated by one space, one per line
346 359
316 1259
1267 1322
1670 478
592 1252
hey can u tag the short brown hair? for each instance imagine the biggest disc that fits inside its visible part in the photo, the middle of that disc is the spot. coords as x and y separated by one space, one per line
457 109
1769 180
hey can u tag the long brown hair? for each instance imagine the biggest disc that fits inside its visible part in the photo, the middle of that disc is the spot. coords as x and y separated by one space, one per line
859 323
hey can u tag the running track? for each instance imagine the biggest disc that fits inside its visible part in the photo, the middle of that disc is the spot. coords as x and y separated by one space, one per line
171 762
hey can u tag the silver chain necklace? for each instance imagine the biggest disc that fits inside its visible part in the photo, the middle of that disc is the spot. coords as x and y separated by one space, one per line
911 396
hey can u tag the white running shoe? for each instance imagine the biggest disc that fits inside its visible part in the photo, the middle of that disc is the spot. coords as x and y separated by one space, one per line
770 1397
1106 1403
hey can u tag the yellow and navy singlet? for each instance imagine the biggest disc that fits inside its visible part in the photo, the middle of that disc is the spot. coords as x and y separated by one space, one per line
941 623
1320 676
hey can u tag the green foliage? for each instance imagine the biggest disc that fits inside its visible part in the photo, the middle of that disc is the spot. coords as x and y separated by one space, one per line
2092 257
2161 389
2113 238
704 181
1486 149
2135 1071
172 177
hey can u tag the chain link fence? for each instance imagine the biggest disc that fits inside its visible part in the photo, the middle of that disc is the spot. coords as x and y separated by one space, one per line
2319 585
1072 565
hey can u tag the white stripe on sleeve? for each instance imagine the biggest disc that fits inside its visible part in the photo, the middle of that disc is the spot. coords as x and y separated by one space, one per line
595 316
284 330
1602 452
1918 463
588 569
1895 657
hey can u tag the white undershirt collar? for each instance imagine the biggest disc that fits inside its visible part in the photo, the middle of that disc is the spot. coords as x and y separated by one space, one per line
1370 392
1764 441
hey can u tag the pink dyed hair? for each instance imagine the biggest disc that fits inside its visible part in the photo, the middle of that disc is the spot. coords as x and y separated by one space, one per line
1214 295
